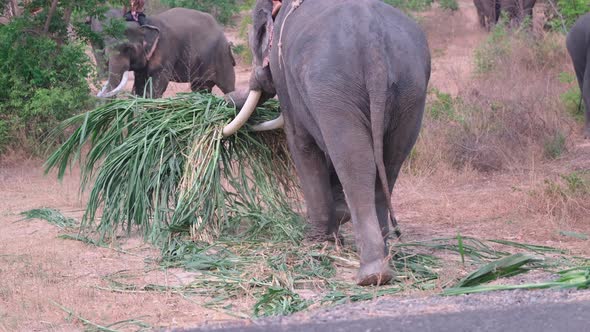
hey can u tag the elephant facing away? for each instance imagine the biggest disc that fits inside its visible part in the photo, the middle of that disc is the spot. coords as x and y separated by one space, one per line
578 47
351 78
178 45
517 10
489 11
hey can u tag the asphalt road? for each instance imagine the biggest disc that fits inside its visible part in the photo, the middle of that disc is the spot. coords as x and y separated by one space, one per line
571 316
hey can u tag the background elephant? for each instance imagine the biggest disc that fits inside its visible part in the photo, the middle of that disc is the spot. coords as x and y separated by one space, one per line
178 45
517 10
578 47
351 77
488 12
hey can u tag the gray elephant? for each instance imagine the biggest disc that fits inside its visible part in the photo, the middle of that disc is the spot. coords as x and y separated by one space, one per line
178 45
351 77
578 46
488 12
517 10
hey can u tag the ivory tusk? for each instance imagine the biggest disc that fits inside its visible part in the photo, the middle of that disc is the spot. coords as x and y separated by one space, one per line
277 123
244 114
104 94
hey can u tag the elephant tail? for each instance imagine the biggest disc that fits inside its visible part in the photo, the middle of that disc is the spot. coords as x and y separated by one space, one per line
377 106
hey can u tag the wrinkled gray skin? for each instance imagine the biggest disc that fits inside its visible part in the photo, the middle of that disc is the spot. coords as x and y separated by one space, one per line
578 46
191 48
488 12
351 83
517 10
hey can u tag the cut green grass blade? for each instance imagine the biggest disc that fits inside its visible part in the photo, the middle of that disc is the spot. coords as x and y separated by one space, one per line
507 266
114 327
529 247
278 301
52 216
163 167
576 235
461 250
578 278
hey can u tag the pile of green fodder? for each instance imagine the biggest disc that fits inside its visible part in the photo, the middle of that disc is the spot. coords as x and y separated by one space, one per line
163 166
267 278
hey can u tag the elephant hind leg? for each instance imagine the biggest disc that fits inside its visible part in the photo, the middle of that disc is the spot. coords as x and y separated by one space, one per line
350 147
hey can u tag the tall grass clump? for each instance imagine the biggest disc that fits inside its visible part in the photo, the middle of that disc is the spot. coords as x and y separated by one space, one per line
509 115
565 197
162 166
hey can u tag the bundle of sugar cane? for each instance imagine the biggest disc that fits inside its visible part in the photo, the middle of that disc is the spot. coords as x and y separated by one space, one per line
163 166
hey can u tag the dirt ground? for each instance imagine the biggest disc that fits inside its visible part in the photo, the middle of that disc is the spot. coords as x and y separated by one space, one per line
39 272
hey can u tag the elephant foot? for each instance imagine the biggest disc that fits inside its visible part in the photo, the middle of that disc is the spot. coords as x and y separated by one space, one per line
319 234
375 273
341 213
587 133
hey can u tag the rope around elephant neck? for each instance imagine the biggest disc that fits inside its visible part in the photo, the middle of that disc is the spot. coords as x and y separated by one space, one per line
294 5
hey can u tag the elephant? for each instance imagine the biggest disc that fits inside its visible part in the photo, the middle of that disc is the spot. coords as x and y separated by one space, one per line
488 12
578 47
351 77
517 10
178 45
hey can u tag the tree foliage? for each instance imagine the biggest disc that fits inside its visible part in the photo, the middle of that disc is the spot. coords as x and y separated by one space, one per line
562 14
44 70
222 10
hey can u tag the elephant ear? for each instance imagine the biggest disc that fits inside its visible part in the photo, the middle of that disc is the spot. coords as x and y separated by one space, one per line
261 36
151 37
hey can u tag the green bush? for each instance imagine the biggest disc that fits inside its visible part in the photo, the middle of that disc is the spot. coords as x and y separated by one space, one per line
555 146
410 5
494 48
444 107
449 4
568 13
41 83
572 98
222 10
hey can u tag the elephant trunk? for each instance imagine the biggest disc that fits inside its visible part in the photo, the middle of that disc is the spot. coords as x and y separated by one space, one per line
105 93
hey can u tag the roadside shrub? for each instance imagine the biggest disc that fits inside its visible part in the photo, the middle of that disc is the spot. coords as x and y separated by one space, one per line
492 50
554 146
222 10
41 83
410 5
449 4
562 15
508 116
565 197
572 98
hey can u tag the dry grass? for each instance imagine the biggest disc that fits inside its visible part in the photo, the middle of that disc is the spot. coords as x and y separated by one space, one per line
508 116
564 198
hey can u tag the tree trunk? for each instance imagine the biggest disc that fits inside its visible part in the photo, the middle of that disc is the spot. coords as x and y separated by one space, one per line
13 5
50 16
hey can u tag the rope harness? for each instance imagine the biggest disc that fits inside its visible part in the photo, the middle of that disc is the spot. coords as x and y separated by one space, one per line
294 5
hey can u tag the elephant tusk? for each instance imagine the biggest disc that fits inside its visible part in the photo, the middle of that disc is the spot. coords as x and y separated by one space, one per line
277 123
244 115
104 94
